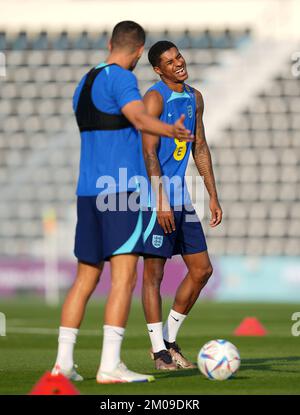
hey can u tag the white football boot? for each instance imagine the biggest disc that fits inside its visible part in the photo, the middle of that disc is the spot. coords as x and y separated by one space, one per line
122 374
70 374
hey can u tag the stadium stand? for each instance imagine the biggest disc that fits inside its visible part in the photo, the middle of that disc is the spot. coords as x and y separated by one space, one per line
261 202
40 144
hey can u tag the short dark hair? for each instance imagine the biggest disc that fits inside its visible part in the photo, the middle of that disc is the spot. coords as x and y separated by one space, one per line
157 50
128 34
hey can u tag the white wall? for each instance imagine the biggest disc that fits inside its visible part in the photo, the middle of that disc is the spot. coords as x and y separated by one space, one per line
268 17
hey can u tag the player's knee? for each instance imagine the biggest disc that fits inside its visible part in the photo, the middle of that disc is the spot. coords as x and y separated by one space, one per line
95 281
201 275
86 284
124 282
153 277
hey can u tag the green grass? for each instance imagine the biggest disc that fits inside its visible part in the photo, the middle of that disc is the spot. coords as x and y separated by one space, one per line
270 365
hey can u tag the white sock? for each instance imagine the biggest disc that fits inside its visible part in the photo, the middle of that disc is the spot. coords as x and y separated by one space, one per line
112 341
66 342
172 326
156 336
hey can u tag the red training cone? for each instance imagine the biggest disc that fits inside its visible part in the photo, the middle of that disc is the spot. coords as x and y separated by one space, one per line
250 326
54 385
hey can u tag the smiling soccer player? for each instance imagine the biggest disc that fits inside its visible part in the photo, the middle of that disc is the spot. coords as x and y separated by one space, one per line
167 231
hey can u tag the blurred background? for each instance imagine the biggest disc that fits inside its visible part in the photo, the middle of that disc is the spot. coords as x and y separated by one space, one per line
244 56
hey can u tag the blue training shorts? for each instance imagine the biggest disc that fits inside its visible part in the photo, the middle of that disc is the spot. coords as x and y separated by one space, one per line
188 237
100 235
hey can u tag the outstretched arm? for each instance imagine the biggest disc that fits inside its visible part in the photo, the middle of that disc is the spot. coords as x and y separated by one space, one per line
203 162
136 112
154 106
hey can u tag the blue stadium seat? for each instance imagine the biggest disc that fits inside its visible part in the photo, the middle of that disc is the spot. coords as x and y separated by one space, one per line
155 36
200 39
61 42
82 41
20 42
100 41
41 41
181 39
3 43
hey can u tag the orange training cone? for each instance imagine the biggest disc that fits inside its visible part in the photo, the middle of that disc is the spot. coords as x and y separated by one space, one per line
250 326
54 385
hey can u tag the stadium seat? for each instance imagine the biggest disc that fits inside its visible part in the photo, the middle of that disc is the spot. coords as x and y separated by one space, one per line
278 210
3 43
295 211
254 246
258 210
291 247
82 41
280 139
268 192
277 228
249 174
8 90
217 246
20 42
154 36
40 42
235 210
268 157
100 41
248 192
15 58
273 246
234 246
56 57
61 42
269 174
288 192
236 228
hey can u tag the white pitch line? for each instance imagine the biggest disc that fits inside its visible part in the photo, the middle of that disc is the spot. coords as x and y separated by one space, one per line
39 330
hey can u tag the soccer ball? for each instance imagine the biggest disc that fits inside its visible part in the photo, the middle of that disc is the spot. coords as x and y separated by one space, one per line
218 359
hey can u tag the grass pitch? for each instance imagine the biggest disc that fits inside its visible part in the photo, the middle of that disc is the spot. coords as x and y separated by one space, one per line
270 364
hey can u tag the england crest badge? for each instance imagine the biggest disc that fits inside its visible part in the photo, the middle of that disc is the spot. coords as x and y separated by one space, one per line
190 111
157 241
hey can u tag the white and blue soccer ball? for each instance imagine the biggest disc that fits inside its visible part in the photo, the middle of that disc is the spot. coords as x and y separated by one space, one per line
218 359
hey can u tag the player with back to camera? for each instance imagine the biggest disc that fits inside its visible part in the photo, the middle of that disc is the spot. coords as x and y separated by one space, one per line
167 230
109 112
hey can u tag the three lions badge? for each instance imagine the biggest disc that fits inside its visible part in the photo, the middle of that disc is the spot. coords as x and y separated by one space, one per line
157 241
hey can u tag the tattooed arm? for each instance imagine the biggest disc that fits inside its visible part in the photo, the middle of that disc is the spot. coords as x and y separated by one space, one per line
154 105
203 163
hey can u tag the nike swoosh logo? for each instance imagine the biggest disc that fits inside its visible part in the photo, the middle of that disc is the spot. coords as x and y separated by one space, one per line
150 331
121 335
175 318
169 114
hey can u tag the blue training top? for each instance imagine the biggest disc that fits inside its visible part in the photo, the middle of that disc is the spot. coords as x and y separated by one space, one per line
173 155
103 153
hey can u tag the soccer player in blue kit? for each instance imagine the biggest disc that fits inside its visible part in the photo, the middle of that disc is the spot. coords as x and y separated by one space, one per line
109 112
168 228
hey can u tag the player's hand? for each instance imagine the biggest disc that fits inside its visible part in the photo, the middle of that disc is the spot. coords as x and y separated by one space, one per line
165 217
216 212
180 132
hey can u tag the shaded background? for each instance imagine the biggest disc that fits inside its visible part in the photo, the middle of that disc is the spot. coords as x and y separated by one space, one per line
242 55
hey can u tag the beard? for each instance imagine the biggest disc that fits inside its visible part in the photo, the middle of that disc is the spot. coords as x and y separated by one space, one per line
133 64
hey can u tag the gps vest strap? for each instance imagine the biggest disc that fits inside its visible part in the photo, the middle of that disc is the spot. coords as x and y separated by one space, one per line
89 117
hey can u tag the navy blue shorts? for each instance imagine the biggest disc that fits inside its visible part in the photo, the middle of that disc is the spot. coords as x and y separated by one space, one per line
188 237
99 235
